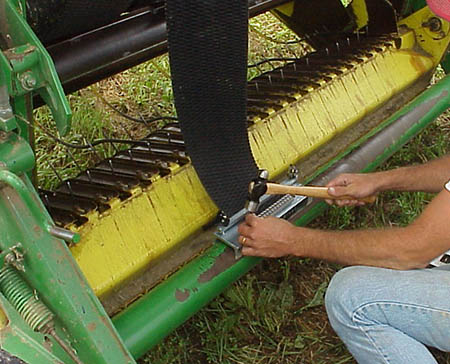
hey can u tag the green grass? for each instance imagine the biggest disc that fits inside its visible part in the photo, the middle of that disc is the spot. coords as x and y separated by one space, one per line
275 313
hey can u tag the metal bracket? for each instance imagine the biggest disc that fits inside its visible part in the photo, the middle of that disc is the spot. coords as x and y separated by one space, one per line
283 207
26 66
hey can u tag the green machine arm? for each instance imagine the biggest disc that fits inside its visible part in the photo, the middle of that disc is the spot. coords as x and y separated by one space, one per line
25 66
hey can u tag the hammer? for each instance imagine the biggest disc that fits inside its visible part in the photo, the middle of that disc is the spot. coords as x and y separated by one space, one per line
260 186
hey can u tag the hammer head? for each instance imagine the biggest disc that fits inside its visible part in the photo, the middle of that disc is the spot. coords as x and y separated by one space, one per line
256 189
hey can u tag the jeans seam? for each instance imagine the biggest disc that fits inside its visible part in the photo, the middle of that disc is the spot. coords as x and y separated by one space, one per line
357 322
378 349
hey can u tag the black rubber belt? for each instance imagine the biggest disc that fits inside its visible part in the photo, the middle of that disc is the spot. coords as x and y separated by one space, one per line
208 60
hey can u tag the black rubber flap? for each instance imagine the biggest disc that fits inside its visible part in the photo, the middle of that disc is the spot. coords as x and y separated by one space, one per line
208 60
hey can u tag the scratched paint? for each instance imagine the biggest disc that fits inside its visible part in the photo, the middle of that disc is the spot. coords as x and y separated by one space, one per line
222 263
182 295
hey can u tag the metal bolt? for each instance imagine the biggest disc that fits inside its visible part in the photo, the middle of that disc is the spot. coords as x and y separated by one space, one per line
293 172
5 107
434 24
28 81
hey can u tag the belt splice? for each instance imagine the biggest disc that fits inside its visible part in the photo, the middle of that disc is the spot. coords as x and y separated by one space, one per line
208 60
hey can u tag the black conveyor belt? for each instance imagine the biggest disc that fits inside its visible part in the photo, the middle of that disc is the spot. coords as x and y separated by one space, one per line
208 59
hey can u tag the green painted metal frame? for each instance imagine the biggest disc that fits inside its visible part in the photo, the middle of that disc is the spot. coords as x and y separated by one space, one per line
153 317
50 269
26 66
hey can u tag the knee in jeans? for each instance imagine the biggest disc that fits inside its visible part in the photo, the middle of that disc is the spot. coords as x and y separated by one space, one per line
342 293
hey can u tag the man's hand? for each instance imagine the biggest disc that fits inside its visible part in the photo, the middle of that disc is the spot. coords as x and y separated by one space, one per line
266 237
357 185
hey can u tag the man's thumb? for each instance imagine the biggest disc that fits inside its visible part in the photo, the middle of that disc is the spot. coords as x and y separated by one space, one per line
337 191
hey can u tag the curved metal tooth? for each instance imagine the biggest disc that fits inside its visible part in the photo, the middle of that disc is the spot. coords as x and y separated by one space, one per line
270 97
67 202
264 104
143 171
153 161
97 193
102 178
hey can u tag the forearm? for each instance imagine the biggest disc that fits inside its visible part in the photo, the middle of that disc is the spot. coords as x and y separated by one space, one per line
395 248
428 177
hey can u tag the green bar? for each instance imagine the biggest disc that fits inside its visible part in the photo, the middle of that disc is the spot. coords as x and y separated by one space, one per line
149 320
16 154
179 297
50 269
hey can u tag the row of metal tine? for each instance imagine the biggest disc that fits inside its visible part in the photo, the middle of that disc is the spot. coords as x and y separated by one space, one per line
164 149
116 177
283 84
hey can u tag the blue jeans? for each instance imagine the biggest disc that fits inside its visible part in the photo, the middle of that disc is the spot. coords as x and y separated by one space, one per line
391 316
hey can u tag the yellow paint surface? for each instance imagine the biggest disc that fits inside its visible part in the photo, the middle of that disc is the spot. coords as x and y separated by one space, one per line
313 119
120 243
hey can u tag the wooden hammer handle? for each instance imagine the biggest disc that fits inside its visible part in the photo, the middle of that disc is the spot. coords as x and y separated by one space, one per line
311 191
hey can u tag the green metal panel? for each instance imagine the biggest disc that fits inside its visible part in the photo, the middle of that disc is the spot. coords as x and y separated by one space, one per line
16 154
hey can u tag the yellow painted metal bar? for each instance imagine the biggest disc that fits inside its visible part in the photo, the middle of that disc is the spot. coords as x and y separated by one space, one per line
120 243
315 118
435 43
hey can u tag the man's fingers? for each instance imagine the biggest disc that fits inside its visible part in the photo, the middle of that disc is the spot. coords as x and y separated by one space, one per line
251 219
249 251
245 240
244 229
341 180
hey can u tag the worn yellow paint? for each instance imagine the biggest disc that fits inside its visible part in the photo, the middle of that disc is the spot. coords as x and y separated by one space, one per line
434 43
121 242
286 9
360 10
3 319
315 118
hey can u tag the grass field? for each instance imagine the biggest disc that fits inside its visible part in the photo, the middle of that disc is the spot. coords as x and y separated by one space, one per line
275 313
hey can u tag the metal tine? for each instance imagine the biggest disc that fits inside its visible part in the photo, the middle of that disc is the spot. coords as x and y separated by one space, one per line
92 148
110 163
69 187
257 86
130 154
61 181
56 172
47 200
149 146
74 160
88 174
